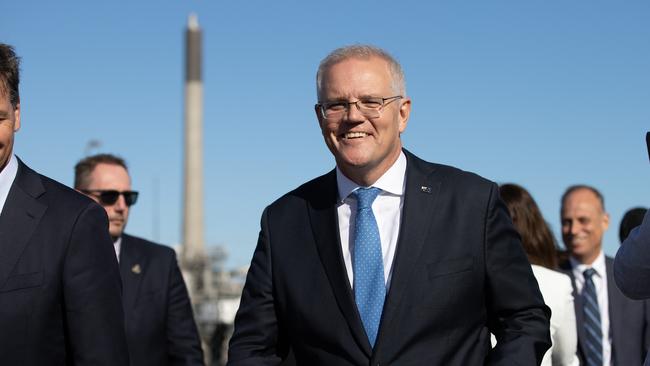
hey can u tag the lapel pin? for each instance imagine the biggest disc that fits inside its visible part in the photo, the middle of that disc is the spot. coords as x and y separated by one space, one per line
136 269
426 189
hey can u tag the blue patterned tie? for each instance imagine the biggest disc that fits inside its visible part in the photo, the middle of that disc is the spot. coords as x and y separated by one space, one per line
368 264
593 331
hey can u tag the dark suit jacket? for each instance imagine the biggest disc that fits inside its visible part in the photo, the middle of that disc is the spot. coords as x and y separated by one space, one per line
632 264
159 320
59 281
629 321
459 272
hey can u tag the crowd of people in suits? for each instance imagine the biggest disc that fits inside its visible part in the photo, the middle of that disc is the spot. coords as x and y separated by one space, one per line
386 260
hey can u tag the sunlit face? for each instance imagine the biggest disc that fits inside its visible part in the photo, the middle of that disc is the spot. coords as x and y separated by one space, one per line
583 225
364 148
112 177
9 124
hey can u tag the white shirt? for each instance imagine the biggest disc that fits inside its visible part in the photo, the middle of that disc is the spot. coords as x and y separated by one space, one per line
117 245
600 282
7 176
387 209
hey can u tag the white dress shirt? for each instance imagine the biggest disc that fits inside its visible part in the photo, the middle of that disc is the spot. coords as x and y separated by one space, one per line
600 282
387 209
7 176
117 245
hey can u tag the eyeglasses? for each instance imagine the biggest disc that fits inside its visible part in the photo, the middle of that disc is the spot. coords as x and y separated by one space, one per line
369 107
110 196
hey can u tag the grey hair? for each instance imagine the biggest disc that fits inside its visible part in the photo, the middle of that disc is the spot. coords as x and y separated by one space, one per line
361 51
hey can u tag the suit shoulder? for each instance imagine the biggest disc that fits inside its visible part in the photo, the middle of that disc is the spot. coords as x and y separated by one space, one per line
58 196
59 192
319 189
63 202
456 175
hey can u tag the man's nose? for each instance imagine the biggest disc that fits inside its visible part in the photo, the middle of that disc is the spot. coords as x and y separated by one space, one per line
354 114
120 204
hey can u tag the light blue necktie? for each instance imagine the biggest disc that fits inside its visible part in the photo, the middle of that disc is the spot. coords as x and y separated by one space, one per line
368 264
593 331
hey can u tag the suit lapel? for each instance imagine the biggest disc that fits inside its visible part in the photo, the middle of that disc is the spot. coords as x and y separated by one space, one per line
616 301
324 223
21 215
131 270
421 193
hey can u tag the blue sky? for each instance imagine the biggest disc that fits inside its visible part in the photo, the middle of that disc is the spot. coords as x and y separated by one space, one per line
541 93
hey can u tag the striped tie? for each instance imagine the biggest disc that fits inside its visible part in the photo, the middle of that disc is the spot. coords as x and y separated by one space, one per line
593 331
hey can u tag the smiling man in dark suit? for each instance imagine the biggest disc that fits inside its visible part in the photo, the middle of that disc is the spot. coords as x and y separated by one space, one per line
160 325
388 259
59 287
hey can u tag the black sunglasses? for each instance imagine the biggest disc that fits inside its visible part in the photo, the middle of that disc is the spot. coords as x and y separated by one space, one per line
110 196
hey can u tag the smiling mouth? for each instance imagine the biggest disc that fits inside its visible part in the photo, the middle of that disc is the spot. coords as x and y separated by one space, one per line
354 135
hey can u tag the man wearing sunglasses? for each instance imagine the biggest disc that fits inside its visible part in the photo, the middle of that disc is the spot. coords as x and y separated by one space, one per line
59 284
160 325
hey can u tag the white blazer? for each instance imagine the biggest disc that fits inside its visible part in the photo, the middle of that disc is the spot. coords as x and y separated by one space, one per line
557 291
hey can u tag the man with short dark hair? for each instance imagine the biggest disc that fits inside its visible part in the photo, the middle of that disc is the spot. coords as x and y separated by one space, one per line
387 259
160 325
59 285
631 219
612 330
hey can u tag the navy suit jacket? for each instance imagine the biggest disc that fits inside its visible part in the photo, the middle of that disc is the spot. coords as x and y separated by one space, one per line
160 325
629 321
59 281
632 264
459 272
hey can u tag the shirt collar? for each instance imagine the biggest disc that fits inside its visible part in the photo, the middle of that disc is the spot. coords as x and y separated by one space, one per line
392 181
117 245
598 265
7 177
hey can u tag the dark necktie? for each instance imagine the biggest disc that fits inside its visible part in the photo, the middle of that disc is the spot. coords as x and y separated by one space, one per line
593 331
368 265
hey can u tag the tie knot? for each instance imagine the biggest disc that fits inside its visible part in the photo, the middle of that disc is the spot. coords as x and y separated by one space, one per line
366 196
588 273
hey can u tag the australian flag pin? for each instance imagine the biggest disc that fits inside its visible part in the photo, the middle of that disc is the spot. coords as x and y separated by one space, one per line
426 189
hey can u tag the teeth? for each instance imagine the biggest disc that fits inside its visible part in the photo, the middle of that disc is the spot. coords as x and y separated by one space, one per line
354 135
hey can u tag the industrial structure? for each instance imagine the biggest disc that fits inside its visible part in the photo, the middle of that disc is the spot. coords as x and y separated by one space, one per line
214 292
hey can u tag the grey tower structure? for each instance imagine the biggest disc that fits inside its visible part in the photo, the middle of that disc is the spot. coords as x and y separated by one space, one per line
193 240
194 263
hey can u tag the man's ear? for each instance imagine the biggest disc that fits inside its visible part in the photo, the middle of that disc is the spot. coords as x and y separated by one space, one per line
404 113
17 116
318 114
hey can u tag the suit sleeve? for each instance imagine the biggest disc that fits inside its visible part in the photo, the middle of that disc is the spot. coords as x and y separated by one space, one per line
183 342
632 263
92 293
255 338
517 315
